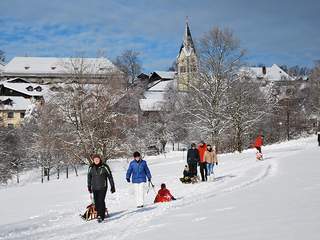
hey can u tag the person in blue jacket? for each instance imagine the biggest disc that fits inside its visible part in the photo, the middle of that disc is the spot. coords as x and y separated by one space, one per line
139 172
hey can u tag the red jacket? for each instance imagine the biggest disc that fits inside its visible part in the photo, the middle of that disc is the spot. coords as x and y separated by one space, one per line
258 142
163 195
202 150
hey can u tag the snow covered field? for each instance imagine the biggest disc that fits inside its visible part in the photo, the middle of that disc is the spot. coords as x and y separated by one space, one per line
278 198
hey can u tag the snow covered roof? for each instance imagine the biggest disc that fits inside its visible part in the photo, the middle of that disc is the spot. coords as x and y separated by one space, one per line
56 66
30 89
15 103
155 96
161 86
273 73
165 74
149 104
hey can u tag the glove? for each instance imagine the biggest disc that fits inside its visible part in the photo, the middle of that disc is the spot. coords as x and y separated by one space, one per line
89 189
128 179
173 198
217 163
113 190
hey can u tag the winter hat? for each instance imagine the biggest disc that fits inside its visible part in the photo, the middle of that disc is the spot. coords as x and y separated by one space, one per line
136 154
193 145
163 185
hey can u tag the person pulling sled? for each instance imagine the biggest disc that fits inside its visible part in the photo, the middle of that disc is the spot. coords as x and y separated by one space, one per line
99 174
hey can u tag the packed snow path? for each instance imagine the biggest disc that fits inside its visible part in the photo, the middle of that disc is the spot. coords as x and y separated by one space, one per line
278 198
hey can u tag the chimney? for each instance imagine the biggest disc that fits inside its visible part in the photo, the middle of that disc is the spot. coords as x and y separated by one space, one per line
264 70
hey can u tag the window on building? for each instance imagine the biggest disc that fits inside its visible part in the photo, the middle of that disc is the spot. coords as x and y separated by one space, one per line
30 88
38 89
10 115
182 69
22 114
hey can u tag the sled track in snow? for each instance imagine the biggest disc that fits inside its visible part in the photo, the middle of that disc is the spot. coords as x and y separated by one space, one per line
124 223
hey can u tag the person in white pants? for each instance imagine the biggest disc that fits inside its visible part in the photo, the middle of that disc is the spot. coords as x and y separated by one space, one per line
139 193
139 172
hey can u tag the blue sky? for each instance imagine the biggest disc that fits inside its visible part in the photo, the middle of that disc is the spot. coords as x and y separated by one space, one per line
282 32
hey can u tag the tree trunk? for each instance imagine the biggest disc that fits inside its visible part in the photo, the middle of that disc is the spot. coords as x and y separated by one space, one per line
18 179
42 170
58 173
75 170
67 172
48 174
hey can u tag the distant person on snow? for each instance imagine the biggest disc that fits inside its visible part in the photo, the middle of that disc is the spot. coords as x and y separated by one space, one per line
319 139
186 175
163 195
193 160
139 171
202 163
259 142
98 174
210 157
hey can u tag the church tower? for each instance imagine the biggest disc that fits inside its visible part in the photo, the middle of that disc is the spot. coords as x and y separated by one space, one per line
187 61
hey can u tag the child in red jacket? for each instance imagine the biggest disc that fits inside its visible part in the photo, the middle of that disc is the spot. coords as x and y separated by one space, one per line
163 195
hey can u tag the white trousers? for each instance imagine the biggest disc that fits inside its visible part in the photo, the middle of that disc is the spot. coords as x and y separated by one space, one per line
139 193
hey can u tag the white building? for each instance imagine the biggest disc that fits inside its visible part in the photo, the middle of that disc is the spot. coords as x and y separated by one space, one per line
53 70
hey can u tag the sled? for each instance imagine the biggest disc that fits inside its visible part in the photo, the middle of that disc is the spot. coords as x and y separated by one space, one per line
259 156
91 213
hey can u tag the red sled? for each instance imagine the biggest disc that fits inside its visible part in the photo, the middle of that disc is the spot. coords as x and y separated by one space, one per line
163 195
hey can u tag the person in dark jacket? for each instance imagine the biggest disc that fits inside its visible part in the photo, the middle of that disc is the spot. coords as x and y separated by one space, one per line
98 176
319 139
139 172
193 159
186 175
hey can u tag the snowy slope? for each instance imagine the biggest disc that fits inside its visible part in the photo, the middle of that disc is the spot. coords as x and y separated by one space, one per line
274 199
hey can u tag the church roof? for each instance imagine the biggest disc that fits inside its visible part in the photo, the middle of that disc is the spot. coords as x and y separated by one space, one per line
187 45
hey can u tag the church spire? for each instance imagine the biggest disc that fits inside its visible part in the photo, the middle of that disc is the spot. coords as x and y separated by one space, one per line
187 45
187 60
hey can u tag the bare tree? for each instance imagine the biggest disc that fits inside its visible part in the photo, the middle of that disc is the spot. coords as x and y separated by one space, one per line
13 153
247 107
205 104
314 97
129 63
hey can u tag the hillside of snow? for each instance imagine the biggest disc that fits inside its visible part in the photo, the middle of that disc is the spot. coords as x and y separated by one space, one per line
278 198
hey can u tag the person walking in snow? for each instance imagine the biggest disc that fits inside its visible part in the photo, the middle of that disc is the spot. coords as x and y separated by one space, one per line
202 163
193 160
210 157
98 175
139 172
259 142
319 139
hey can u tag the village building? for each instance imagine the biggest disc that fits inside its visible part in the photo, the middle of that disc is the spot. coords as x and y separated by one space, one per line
13 110
50 70
18 97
